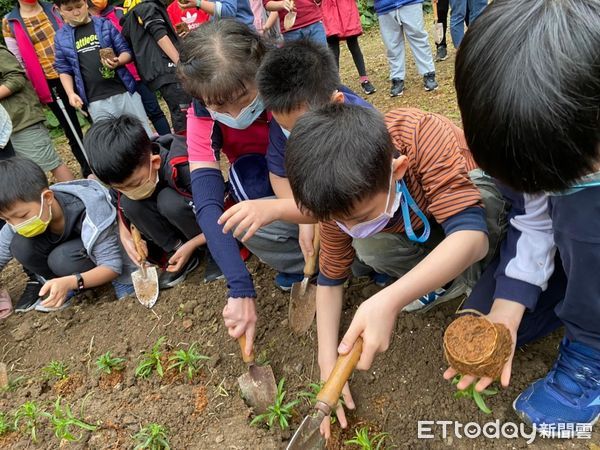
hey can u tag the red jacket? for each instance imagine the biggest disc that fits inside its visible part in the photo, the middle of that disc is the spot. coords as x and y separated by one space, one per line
341 18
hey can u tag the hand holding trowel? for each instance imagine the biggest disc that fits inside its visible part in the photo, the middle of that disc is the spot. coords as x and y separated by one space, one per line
303 298
258 384
145 280
438 28
308 436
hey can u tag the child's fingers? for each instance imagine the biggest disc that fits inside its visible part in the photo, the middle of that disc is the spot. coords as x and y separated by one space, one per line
249 340
347 395
352 334
506 372
45 289
325 427
251 231
366 358
483 383
341 415
465 382
449 373
227 214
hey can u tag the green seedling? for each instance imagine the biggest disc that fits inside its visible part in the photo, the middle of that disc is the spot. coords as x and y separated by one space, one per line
477 397
64 421
107 364
5 425
151 361
56 370
311 396
365 442
13 384
27 416
187 360
278 412
106 72
152 437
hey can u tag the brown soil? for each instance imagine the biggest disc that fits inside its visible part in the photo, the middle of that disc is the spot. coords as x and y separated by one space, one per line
403 386
476 346
107 53
108 381
69 385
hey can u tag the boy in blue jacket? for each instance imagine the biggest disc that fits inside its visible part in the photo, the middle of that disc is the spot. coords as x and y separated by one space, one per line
65 234
543 145
102 83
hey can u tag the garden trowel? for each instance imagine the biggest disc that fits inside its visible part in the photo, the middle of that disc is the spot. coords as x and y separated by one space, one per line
290 19
308 436
438 28
145 280
258 384
303 298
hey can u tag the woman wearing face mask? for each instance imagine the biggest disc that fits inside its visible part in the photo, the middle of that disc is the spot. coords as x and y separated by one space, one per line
218 65
29 31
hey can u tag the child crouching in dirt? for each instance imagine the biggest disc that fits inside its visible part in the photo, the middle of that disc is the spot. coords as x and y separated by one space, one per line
155 194
544 146
65 234
402 194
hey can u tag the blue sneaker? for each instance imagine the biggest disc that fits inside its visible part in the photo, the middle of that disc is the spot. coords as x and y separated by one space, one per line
122 290
382 279
437 297
569 394
285 280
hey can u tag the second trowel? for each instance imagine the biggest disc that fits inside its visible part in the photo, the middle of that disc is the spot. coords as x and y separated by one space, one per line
145 280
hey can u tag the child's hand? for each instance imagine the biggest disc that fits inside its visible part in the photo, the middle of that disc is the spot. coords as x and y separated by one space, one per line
181 257
75 101
374 321
130 249
508 313
187 4
57 290
289 5
339 411
111 63
240 318
305 239
248 216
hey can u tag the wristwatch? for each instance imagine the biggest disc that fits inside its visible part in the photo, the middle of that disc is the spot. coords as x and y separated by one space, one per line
80 284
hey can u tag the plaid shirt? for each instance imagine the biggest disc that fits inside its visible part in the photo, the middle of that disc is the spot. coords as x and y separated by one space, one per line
41 33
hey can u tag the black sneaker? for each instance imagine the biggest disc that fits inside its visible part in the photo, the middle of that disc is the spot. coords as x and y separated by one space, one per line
429 81
442 53
30 297
367 87
167 280
211 270
397 87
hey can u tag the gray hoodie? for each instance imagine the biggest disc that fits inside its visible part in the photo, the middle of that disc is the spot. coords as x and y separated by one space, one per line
99 232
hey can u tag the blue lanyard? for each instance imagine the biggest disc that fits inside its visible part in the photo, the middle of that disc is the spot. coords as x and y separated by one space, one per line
407 201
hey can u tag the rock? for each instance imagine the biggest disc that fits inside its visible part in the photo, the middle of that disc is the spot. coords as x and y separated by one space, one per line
23 331
188 307
213 361
220 438
298 367
187 324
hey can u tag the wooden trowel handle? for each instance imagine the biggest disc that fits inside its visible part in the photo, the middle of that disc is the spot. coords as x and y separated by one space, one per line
435 12
137 241
247 358
342 370
311 264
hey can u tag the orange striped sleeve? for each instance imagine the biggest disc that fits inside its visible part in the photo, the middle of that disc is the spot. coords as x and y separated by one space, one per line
336 254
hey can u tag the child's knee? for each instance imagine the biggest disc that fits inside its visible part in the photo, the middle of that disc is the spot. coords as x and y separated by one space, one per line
23 250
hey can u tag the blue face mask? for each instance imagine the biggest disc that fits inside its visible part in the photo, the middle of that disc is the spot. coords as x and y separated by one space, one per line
244 119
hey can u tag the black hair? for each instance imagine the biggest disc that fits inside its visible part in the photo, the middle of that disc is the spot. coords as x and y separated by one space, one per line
337 156
116 147
218 59
528 87
60 3
21 180
297 74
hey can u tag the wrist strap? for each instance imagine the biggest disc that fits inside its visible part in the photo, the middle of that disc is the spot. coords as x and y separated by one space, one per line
80 283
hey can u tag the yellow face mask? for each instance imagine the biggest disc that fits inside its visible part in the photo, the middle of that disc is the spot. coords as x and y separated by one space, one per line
34 226
144 190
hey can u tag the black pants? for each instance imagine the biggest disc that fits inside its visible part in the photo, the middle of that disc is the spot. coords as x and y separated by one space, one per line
352 42
178 102
49 260
167 218
442 7
75 148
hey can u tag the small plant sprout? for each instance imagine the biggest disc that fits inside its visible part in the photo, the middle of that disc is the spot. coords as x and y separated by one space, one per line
56 370
27 417
152 437
477 397
151 361
64 421
5 425
106 72
106 363
187 360
278 412
13 384
363 441
311 393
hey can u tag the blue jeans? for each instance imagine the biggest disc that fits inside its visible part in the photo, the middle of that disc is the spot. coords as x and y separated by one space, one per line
458 14
152 108
315 32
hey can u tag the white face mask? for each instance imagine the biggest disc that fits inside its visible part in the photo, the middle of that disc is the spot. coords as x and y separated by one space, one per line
244 119
286 132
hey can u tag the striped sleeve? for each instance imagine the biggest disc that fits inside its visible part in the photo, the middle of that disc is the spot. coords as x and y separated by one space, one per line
442 169
336 255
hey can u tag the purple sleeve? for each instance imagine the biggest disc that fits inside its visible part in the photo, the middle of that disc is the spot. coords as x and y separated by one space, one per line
208 189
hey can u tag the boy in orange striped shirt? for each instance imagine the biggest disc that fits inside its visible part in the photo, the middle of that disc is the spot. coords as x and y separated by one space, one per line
404 195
